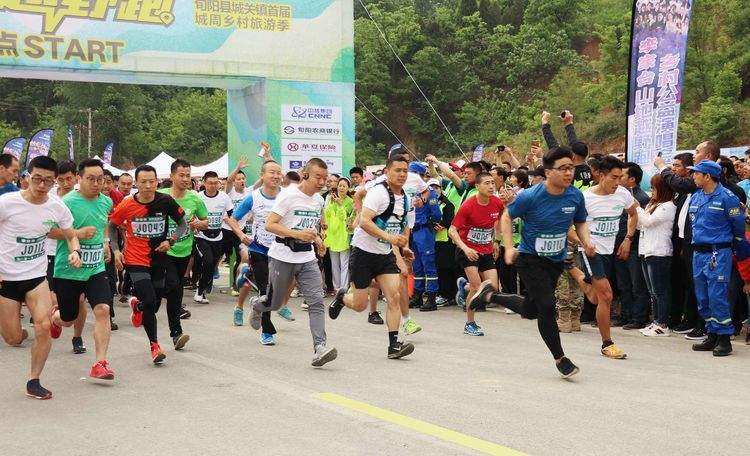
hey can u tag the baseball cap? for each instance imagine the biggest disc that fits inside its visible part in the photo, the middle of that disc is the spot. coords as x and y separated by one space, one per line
709 167
433 181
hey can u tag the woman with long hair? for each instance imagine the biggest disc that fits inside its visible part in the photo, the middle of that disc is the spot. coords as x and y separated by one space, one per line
655 250
338 215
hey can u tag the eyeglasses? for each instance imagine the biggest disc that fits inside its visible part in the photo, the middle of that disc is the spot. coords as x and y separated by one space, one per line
93 179
36 180
565 168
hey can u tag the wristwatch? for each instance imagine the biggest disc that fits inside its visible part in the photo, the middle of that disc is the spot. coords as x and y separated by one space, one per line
78 251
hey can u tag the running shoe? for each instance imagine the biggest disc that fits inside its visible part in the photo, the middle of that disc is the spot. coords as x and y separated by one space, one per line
473 329
255 317
411 327
657 331
78 347
567 368
217 276
375 318
239 316
696 334
286 313
294 293
648 328
461 293
200 298
338 303
267 339
180 341
185 314
234 293
399 350
136 315
124 298
113 326
244 279
323 355
54 330
481 297
509 312
440 301
614 352
157 356
304 306
101 372
35 390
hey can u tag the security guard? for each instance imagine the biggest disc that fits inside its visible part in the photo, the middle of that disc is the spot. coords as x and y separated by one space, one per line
423 246
718 226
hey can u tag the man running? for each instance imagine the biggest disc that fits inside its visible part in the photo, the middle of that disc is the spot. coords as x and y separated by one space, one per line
209 241
474 229
605 203
237 190
178 256
144 215
547 209
383 228
90 211
26 218
258 205
295 221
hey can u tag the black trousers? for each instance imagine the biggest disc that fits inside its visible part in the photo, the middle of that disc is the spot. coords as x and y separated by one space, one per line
209 254
259 263
445 254
173 288
148 284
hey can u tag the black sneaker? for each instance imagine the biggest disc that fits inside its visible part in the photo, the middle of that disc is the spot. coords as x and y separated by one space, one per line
707 345
78 347
113 325
449 303
633 325
428 308
375 318
696 334
180 341
338 303
567 368
400 350
185 314
683 327
482 296
36 391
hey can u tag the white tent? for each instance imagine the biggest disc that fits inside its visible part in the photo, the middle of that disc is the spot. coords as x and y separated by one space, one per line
221 166
112 169
162 163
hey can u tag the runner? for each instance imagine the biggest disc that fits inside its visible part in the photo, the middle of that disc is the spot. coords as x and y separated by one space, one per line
237 191
295 221
178 256
605 203
258 205
90 211
384 227
547 210
474 228
209 241
26 218
144 215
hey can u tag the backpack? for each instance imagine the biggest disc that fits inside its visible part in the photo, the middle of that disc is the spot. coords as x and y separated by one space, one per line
381 220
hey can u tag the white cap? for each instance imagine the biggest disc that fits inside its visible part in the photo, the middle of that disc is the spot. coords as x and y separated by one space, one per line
434 181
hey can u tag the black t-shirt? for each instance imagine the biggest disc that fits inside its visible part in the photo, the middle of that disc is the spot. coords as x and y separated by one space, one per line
583 178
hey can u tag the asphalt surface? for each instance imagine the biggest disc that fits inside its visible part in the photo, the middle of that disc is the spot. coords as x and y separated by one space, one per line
226 394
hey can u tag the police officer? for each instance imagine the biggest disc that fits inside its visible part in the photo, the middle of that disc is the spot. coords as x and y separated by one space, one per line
423 246
718 222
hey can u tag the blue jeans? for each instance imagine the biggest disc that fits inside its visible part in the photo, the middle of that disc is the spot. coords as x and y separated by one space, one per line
656 271
633 294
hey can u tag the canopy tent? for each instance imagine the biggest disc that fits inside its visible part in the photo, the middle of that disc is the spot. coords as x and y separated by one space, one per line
162 163
112 169
221 166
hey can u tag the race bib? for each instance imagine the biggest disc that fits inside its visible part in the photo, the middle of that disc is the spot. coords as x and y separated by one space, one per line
173 229
480 236
605 226
550 244
307 220
29 248
148 227
214 220
391 228
92 255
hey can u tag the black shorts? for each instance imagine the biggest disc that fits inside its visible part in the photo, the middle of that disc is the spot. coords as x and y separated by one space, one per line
16 289
597 267
365 266
485 262
69 292
51 271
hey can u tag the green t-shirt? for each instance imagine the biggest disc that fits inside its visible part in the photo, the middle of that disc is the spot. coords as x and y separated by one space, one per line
85 212
193 206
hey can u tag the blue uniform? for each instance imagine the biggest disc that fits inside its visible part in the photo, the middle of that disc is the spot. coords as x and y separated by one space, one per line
423 245
718 222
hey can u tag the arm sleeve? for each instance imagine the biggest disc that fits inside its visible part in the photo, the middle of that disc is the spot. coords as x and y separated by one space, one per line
181 228
175 212
549 138
570 132
246 205
663 214
678 184
114 236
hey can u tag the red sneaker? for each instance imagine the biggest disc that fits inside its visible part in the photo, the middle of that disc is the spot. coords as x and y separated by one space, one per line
157 356
101 371
136 316
54 330
109 369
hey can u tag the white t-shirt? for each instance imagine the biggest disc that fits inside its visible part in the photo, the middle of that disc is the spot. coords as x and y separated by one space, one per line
237 198
217 206
377 201
604 217
413 186
50 245
298 212
23 232
262 206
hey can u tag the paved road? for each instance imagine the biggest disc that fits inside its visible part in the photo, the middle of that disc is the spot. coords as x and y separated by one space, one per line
226 394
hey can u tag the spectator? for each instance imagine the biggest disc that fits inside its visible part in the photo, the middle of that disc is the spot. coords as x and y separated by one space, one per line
338 210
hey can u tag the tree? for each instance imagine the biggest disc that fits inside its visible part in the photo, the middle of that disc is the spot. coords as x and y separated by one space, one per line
467 7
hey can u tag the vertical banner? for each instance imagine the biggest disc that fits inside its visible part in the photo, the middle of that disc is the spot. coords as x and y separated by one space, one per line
15 147
39 144
478 153
657 65
71 152
107 154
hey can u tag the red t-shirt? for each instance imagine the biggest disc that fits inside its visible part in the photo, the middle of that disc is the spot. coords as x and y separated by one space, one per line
476 223
116 197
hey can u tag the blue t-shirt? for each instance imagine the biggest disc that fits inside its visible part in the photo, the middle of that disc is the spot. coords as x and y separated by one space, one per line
8 188
546 220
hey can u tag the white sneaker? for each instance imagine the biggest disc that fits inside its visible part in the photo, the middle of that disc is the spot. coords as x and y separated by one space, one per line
294 293
200 298
304 306
658 331
509 312
647 328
